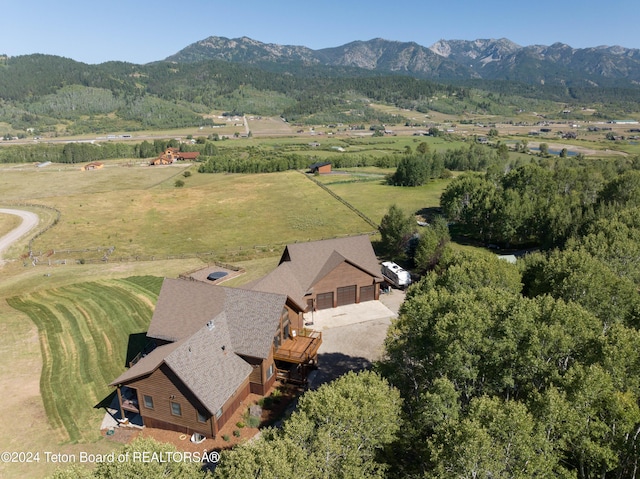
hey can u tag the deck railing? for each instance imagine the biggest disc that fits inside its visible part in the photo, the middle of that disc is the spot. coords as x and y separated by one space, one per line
292 350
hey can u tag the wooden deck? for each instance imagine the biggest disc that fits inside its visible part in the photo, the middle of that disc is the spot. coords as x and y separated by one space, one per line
301 349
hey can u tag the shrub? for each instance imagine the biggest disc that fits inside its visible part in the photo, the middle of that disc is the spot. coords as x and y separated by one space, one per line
253 421
225 437
240 424
186 174
179 184
236 433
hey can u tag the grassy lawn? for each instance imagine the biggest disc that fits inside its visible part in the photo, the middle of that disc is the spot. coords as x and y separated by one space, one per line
23 418
84 332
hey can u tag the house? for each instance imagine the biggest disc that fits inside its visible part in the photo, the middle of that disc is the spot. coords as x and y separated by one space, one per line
212 346
94 165
171 155
320 168
325 274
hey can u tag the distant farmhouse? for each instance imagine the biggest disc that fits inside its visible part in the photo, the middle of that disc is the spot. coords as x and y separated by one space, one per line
321 168
94 165
212 345
171 155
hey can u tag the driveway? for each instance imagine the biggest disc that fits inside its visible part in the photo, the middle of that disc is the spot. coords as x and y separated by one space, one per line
29 221
352 336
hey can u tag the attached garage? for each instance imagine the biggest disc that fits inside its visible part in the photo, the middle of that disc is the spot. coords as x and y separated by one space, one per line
324 301
367 293
347 295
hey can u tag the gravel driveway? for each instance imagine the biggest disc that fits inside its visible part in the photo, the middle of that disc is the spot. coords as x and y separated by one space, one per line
29 221
353 336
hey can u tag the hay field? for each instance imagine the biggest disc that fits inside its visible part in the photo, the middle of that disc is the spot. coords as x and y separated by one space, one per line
223 212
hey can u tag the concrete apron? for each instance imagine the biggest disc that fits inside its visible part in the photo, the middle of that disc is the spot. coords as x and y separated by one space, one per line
349 314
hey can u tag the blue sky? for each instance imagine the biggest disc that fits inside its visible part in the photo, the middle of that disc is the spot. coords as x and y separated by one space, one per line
141 31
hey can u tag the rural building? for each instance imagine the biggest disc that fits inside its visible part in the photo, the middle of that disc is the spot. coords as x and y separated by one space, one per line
94 165
213 346
320 168
171 155
326 274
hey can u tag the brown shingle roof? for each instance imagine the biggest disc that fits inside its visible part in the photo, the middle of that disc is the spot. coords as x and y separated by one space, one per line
183 307
188 155
207 365
304 264
253 319
243 321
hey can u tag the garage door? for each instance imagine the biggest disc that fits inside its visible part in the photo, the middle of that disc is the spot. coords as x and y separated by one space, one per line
346 295
324 301
368 293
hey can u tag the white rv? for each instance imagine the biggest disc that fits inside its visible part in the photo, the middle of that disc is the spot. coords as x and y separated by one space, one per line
395 275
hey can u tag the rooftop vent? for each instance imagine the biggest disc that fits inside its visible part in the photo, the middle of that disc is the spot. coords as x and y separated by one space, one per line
211 325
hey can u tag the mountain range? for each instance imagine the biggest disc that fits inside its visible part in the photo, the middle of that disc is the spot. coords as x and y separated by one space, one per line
489 59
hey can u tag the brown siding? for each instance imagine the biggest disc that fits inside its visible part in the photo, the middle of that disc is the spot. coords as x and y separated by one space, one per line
232 404
162 385
295 317
259 383
343 275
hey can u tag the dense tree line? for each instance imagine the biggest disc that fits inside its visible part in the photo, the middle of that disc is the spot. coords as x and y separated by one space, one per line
78 152
256 160
497 383
414 169
534 204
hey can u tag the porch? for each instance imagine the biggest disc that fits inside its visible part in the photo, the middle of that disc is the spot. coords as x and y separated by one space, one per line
302 348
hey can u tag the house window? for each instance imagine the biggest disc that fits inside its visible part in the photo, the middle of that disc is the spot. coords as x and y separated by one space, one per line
176 409
201 417
270 371
276 340
218 413
148 401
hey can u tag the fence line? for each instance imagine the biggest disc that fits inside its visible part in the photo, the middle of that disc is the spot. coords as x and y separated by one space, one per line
110 258
341 200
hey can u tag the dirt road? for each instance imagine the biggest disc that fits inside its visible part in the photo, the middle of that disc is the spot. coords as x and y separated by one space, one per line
29 221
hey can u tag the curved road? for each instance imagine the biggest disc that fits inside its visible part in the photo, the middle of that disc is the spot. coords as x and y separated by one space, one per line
29 221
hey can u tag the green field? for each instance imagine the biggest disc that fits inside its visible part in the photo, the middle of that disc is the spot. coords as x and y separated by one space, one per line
217 213
84 333
369 193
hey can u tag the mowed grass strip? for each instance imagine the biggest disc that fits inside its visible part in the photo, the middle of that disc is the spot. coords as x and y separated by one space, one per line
84 333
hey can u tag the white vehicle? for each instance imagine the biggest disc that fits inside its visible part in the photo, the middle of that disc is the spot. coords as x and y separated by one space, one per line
395 275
